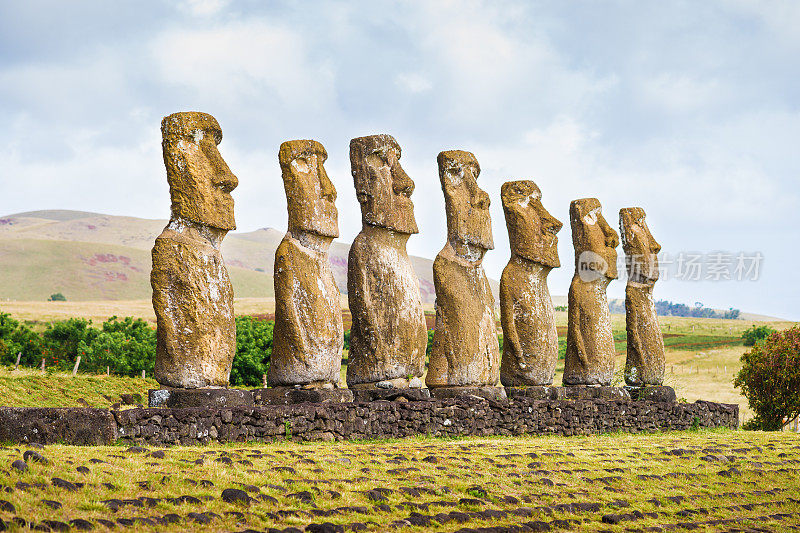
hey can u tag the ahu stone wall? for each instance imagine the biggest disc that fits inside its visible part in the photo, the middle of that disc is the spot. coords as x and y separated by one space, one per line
374 420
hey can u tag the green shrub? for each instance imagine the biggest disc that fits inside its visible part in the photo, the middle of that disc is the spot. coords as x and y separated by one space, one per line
63 341
57 297
15 338
754 334
125 346
770 379
253 351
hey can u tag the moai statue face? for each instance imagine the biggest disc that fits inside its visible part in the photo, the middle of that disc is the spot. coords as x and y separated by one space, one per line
200 182
640 247
310 195
532 230
466 205
382 186
594 240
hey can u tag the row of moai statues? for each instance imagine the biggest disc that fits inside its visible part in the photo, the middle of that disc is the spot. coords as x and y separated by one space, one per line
193 296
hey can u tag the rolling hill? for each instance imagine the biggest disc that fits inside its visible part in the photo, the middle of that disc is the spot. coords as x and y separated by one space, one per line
92 256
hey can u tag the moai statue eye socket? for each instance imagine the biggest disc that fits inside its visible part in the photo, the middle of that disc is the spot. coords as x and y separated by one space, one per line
310 194
382 186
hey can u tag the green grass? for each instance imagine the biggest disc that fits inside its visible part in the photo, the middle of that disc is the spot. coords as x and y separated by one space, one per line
30 388
521 477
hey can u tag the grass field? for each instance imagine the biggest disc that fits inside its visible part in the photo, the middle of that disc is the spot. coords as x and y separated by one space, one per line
598 483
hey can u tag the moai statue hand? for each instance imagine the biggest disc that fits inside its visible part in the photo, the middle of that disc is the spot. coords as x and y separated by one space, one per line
530 338
388 336
192 294
590 343
644 364
465 350
308 335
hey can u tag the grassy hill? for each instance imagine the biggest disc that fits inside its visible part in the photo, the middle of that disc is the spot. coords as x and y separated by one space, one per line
92 256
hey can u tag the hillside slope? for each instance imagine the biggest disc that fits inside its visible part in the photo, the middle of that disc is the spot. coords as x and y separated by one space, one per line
92 256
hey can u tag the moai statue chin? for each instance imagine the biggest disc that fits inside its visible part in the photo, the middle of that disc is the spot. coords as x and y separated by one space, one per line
644 364
308 335
530 338
465 351
192 294
590 343
388 336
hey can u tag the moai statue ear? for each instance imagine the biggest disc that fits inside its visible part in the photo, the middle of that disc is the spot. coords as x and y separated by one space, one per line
192 294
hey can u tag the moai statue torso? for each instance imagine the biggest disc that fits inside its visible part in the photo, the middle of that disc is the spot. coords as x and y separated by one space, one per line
192 294
308 336
530 338
644 364
590 343
388 336
465 350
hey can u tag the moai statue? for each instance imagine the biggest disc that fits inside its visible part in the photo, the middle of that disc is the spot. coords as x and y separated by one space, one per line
590 343
465 350
645 361
308 335
530 338
192 294
388 336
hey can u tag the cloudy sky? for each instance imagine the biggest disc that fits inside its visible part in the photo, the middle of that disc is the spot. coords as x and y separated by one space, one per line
690 110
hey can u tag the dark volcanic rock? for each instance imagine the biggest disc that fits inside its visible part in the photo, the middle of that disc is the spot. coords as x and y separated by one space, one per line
236 496
20 465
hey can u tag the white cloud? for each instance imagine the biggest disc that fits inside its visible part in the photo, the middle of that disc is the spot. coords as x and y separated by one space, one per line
413 82
204 8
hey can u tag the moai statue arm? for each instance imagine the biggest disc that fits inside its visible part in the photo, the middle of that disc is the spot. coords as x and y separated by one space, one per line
359 288
574 331
287 300
510 335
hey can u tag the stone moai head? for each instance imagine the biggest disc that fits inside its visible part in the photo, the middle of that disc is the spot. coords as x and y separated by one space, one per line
200 182
640 247
466 205
382 186
310 195
532 230
594 240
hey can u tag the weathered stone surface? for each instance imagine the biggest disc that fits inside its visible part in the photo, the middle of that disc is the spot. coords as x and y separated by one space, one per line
465 351
388 336
584 392
80 426
372 395
207 397
489 393
589 357
192 294
661 393
536 392
530 338
292 395
645 360
377 420
308 335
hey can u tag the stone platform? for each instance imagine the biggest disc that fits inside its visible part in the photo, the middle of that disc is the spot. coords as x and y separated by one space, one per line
214 398
461 416
536 393
487 393
291 395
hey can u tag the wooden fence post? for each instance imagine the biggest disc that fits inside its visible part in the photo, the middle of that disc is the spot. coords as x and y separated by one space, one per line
42 365
19 356
75 368
143 374
108 371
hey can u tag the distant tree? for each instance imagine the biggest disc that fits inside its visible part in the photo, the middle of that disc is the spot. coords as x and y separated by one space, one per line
754 333
57 297
770 379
